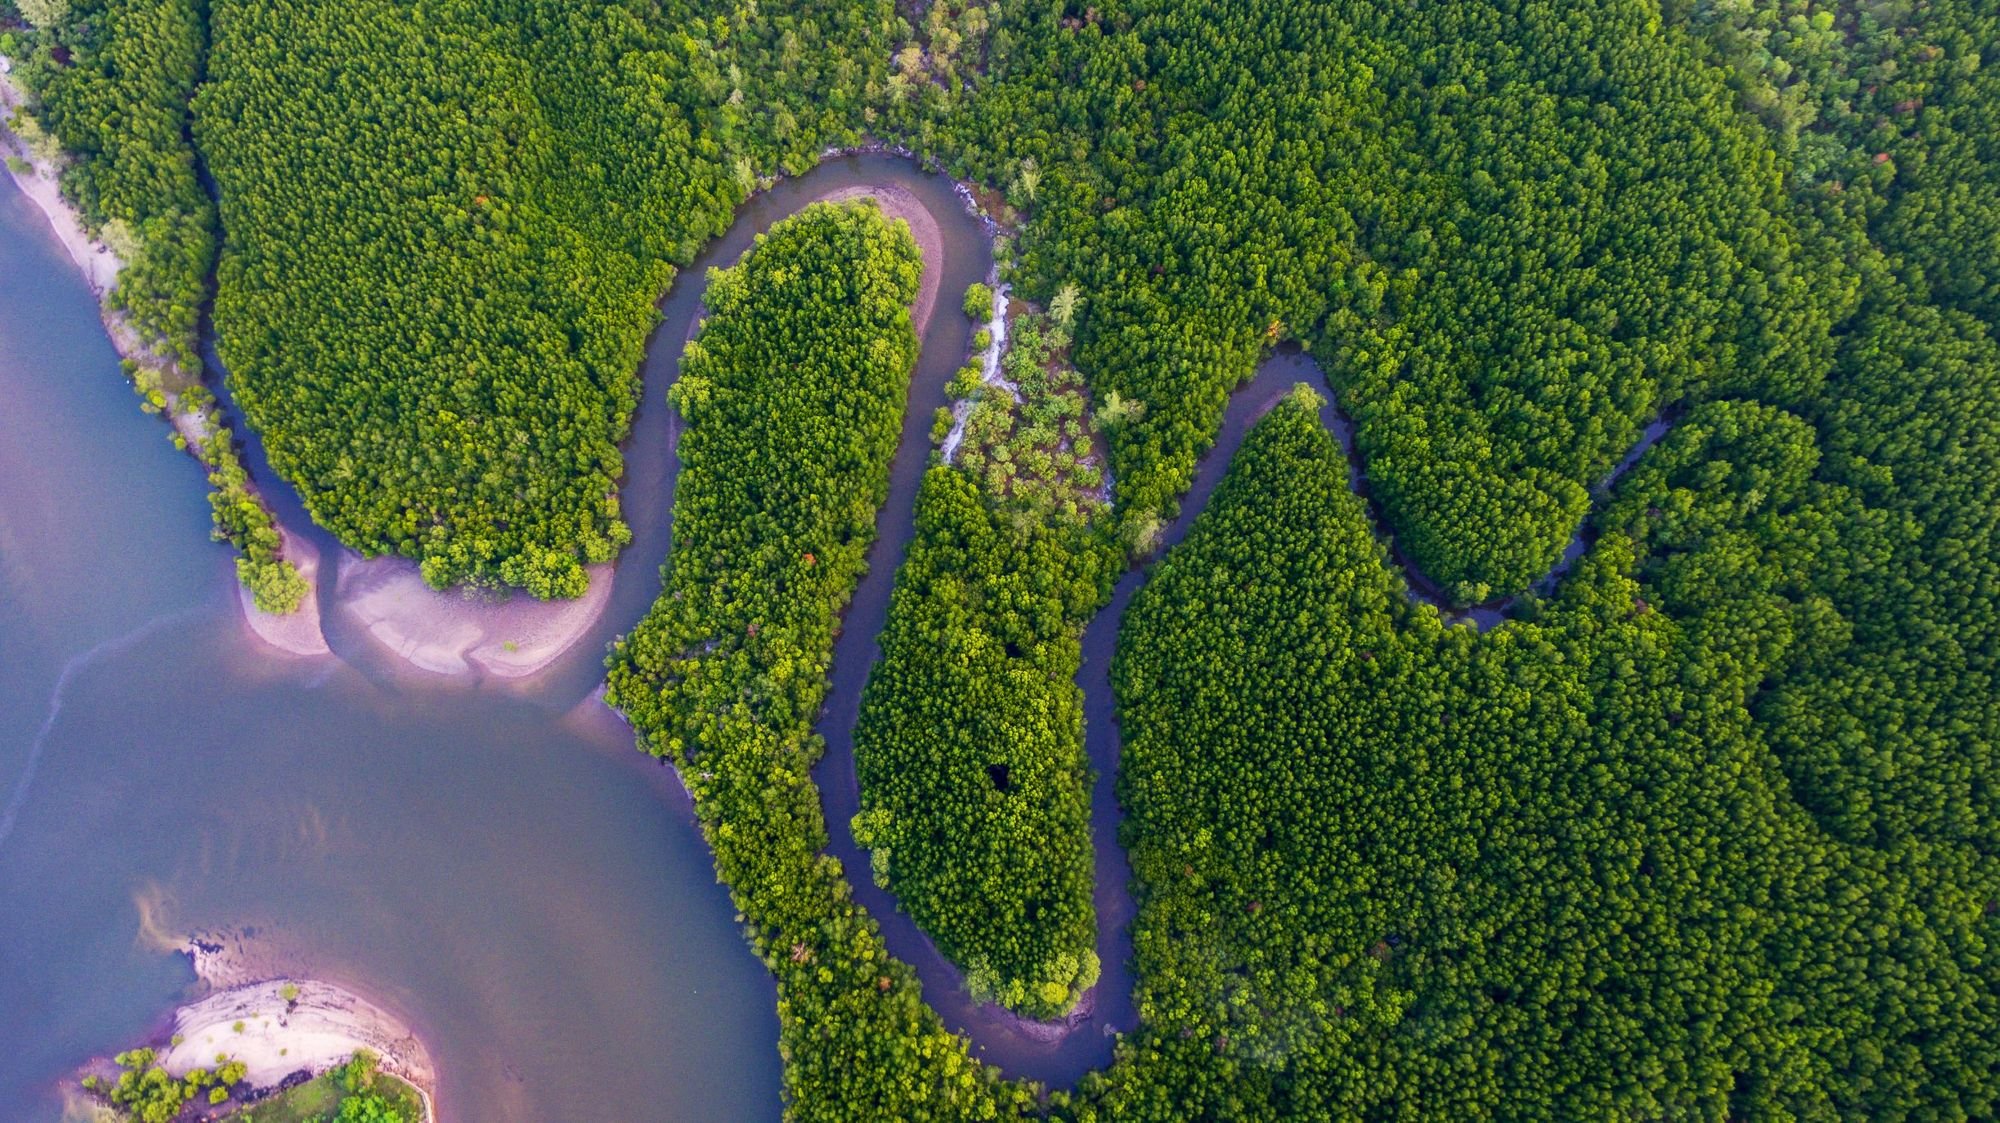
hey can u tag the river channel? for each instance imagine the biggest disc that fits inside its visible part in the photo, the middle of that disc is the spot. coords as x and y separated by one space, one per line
491 861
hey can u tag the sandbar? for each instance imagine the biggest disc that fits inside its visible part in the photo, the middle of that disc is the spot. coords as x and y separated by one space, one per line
462 631
299 632
283 1026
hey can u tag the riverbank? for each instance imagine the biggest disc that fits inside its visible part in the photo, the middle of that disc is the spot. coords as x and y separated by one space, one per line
999 325
40 179
899 203
464 633
41 183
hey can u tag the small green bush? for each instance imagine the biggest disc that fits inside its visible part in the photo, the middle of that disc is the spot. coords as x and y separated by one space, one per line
978 302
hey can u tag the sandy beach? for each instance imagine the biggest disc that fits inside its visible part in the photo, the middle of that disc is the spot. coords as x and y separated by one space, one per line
283 1026
298 634
100 265
459 632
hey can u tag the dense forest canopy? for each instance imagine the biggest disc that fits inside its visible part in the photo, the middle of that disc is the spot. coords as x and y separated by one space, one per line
1892 107
974 789
1557 871
121 112
447 224
969 749
793 394
1514 232
1710 831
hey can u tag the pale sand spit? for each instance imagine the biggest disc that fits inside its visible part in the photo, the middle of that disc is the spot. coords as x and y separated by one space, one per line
282 1026
458 632
298 633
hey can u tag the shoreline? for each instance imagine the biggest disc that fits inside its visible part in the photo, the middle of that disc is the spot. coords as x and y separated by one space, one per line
457 632
422 626
462 633
257 1003
298 634
245 977
280 1027
99 263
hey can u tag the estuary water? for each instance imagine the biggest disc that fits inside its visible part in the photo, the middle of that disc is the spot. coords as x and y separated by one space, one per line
530 894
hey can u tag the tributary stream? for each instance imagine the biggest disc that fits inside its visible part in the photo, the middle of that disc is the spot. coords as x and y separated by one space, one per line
493 862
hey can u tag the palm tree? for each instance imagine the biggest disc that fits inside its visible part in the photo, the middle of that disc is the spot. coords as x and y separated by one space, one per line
1063 308
1026 179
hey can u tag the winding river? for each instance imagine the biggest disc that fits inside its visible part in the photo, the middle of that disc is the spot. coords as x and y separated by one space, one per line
489 860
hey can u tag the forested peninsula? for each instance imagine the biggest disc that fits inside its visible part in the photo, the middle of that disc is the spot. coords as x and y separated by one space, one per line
1706 827
103 151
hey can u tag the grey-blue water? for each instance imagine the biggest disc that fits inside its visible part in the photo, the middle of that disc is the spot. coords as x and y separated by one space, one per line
528 891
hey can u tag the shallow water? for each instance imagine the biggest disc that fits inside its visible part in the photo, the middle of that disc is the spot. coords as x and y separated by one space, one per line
526 890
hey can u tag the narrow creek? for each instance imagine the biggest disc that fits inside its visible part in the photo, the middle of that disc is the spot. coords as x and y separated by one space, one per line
1056 1054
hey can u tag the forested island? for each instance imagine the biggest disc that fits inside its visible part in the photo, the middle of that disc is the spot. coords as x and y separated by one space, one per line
1703 825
